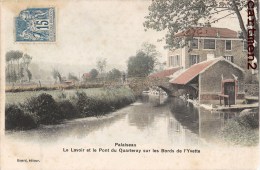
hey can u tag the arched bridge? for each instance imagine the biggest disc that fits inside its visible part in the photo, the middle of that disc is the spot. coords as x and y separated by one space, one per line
139 84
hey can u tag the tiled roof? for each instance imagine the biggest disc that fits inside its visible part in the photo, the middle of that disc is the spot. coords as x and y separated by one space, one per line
209 32
164 73
192 72
86 75
189 74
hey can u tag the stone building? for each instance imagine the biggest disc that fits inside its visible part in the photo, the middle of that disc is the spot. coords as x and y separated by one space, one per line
210 80
207 43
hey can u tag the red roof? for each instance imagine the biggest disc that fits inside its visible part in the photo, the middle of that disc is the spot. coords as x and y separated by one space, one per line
86 75
209 32
164 73
191 72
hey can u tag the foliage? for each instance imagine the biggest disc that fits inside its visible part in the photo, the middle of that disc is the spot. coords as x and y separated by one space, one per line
114 74
234 133
242 130
49 111
249 119
140 65
26 60
150 50
15 71
101 64
13 55
29 73
45 107
110 100
67 109
180 15
72 77
56 75
84 103
16 118
93 73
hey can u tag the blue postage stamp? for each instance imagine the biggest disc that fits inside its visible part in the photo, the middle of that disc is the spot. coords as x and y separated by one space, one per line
35 25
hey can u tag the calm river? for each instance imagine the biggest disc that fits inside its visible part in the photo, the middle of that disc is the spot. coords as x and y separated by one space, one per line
169 123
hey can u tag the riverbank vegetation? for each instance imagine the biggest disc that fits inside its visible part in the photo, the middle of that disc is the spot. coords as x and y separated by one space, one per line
44 109
36 87
242 130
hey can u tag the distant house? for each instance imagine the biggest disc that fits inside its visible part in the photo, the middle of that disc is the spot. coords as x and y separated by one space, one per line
86 76
206 43
69 82
207 81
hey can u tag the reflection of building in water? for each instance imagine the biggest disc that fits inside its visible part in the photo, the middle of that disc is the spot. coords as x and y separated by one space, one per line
189 120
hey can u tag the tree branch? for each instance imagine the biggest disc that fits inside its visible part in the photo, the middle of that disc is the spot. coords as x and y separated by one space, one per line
222 17
239 17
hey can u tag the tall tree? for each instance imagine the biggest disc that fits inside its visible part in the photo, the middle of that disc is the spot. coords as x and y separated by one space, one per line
140 65
29 73
101 65
180 15
26 60
114 74
12 56
56 75
151 51
93 73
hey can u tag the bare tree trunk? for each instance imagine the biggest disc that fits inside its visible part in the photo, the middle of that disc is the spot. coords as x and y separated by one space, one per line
239 17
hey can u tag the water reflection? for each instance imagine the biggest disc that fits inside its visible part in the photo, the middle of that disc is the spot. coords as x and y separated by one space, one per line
152 120
77 129
206 124
186 114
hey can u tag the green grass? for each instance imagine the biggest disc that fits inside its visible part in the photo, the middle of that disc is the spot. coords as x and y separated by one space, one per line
243 130
19 97
29 109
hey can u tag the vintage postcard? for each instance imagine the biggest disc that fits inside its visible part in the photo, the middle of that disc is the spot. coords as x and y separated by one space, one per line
129 84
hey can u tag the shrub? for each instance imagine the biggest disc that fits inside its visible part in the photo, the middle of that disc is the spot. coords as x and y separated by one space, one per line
16 118
45 107
85 104
249 119
234 133
67 109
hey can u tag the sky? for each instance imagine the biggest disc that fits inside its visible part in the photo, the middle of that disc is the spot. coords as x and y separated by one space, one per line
88 30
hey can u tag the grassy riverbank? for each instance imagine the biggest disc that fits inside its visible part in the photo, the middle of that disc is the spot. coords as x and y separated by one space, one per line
51 109
242 130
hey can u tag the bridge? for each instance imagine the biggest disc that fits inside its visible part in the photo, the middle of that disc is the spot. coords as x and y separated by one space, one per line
140 84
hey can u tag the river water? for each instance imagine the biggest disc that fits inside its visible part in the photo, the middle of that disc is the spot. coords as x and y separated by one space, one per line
153 125
150 120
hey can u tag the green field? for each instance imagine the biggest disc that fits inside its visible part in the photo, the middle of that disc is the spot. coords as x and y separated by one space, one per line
20 97
28 109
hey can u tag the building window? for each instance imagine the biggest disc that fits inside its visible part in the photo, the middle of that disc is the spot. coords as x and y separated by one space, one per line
209 44
228 45
229 58
194 44
245 46
194 59
175 61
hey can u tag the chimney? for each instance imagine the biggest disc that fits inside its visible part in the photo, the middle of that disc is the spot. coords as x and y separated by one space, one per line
218 34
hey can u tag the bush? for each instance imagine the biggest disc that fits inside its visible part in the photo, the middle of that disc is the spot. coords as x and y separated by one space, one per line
249 119
16 118
67 109
85 104
45 107
234 133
